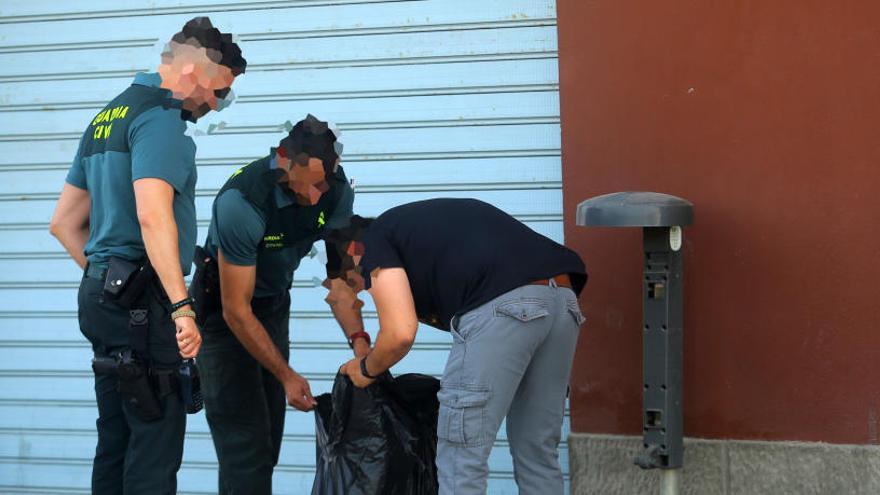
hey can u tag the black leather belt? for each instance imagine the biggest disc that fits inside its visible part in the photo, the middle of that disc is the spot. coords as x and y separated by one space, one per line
96 270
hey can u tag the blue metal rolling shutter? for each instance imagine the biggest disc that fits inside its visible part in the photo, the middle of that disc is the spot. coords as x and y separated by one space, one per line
455 98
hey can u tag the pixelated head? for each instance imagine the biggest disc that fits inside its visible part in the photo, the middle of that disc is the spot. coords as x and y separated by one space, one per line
345 248
199 64
309 153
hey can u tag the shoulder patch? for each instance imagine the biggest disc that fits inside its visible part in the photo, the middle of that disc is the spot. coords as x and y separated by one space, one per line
237 172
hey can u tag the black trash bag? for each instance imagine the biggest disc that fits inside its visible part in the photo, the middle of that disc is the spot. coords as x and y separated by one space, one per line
377 440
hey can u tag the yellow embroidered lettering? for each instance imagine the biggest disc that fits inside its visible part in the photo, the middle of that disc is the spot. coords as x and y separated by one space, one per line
98 117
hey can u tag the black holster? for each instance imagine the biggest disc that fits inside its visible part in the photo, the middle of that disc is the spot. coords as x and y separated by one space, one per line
135 381
134 384
143 388
205 286
140 384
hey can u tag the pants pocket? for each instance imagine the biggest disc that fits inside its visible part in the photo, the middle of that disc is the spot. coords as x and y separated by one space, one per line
524 310
454 329
575 311
461 414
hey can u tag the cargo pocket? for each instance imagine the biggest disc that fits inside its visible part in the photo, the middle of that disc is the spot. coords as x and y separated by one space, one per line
461 414
575 311
524 310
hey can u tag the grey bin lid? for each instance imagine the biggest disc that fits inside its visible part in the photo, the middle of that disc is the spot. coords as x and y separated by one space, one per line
635 209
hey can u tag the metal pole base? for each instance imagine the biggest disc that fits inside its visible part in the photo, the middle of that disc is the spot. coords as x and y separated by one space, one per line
670 481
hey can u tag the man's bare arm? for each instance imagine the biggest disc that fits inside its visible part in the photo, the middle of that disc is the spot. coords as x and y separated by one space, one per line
346 307
155 211
70 222
237 289
398 322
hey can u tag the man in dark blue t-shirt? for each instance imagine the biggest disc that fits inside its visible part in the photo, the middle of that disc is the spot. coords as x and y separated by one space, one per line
509 297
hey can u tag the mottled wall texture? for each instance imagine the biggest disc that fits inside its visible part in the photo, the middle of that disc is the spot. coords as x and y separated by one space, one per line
765 115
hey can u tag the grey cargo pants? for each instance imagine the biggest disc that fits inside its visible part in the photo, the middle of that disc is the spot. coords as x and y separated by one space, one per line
510 357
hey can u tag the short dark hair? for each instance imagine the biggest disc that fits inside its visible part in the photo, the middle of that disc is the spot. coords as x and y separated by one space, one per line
311 137
204 34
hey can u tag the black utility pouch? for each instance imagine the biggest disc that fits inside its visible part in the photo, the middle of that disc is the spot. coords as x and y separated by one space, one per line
136 388
205 286
127 280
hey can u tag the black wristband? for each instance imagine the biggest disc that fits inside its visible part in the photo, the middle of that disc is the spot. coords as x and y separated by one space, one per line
180 304
364 369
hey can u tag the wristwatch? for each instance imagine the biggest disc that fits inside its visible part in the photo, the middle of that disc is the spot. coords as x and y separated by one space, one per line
364 369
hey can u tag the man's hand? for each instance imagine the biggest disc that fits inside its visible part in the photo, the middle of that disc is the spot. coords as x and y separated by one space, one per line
236 289
298 393
353 370
189 340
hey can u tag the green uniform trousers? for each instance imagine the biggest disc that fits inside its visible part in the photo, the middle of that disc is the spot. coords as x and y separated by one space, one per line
132 456
244 403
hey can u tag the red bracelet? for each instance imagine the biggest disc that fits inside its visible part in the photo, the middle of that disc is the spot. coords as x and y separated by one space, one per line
358 335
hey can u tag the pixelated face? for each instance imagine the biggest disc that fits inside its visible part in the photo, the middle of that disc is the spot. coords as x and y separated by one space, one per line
349 269
194 76
306 178
353 276
354 279
356 251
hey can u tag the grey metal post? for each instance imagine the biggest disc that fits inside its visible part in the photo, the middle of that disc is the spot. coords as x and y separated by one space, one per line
661 217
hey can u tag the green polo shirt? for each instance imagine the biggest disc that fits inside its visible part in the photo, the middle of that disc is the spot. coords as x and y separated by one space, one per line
238 227
140 134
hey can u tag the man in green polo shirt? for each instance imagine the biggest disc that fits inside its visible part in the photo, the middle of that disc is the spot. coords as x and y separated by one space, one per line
129 196
265 220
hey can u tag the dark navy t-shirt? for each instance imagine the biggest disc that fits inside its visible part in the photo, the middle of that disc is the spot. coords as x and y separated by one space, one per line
461 253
